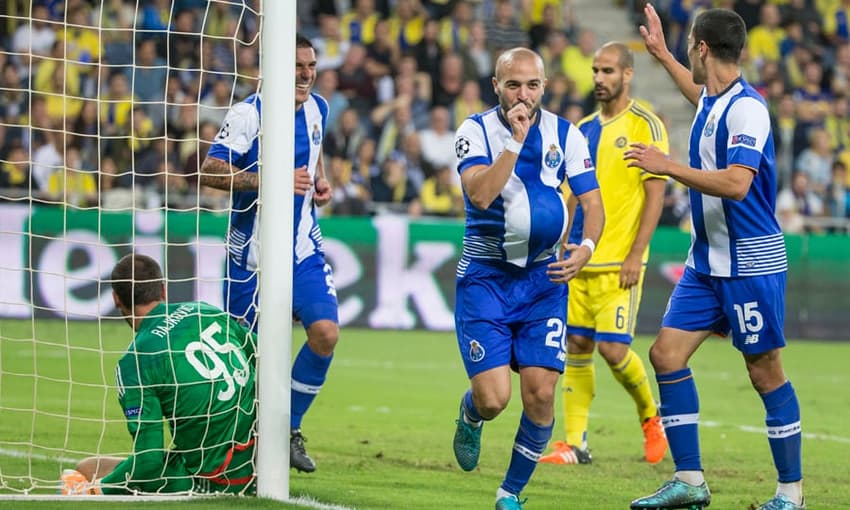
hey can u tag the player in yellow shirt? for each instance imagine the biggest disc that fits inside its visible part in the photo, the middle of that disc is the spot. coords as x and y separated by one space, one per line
605 296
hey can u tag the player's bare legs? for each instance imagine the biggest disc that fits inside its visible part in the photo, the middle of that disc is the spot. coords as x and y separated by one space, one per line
491 391
489 395
322 337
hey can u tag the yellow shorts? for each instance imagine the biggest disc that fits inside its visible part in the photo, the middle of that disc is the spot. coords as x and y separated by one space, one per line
599 309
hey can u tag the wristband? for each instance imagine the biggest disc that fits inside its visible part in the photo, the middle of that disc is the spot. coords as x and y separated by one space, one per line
590 244
513 146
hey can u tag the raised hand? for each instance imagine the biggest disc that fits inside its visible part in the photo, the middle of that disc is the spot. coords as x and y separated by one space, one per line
653 34
647 157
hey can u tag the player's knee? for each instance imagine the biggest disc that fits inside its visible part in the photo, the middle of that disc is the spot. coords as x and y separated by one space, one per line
664 360
491 404
322 337
578 344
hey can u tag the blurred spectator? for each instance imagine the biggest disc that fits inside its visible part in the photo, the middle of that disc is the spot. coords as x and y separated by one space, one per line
438 140
441 195
836 21
392 188
355 82
816 161
149 75
468 102
85 134
503 29
36 37
248 72
837 123
405 94
796 203
840 71
577 64
454 30
14 169
343 139
788 138
358 25
72 184
184 42
547 17
418 168
838 192
59 83
349 198
14 97
428 52
116 106
46 158
804 13
478 52
330 46
407 23
326 86
395 129
365 166
764 39
214 106
381 58
449 80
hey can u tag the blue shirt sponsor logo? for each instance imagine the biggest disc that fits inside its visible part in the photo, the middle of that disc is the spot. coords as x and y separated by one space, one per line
132 412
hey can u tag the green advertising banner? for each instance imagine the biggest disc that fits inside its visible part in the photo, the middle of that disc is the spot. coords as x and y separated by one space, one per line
390 271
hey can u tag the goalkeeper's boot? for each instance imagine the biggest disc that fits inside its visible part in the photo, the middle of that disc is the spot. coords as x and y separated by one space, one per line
298 457
675 494
467 443
509 503
781 502
654 440
75 483
567 454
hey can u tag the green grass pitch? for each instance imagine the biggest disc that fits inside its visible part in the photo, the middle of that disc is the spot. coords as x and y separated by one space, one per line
381 429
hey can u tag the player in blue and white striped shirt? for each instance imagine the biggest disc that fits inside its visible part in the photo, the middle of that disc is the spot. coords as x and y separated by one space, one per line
735 275
511 290
232 165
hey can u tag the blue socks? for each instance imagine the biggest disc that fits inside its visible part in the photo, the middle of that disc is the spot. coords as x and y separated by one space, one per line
530 441
469 408
308 376
784 432
680 416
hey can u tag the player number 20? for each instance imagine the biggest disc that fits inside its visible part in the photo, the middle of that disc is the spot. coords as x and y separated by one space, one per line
556 337
213 351
749 318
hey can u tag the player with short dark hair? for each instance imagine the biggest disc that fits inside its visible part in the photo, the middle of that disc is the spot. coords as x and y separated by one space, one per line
232 165
509 312
734 281
191 365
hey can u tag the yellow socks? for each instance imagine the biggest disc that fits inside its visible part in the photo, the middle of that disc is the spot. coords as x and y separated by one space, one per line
632 375
578 390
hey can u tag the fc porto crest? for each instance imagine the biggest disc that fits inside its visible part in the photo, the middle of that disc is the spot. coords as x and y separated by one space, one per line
553 156
476 351
709 126
316 135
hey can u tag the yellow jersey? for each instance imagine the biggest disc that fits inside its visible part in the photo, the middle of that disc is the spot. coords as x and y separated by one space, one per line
621 187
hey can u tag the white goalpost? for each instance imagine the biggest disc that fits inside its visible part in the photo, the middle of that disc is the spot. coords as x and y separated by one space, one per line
102 134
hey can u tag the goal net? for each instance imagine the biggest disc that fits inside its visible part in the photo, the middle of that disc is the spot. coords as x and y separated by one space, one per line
107 110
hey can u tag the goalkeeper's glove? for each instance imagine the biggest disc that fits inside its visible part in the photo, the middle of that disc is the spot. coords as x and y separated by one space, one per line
75 483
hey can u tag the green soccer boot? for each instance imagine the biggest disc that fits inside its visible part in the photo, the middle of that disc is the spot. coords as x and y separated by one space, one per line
675 494
467 443
781 502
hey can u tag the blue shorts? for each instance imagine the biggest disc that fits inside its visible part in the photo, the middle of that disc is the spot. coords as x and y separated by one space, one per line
751 307
506 317
313 292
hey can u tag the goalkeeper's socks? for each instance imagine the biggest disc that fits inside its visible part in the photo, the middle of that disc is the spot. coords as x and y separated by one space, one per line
308 376
680 416
530 441
784 432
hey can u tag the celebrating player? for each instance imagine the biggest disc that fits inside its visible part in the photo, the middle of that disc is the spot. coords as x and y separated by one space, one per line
510 281
231 165
735 275
191 365
605 296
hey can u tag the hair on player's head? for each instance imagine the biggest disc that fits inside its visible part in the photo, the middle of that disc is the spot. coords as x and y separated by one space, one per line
137 280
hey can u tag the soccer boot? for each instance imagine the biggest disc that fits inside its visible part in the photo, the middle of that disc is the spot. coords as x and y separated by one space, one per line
781 502
298 457
75 483
509 503
566 454
654 440
675 494
467 443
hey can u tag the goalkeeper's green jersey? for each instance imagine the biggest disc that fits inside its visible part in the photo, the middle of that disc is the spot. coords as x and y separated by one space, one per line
192 365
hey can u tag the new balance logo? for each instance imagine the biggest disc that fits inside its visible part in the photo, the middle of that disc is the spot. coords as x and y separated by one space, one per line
751 339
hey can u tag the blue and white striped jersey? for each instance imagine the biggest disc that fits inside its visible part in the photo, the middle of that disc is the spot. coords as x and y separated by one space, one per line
524 224
238 143
728 237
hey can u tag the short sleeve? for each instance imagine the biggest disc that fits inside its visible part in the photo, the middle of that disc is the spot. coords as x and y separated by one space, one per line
581 173
471 148
749 126
238 131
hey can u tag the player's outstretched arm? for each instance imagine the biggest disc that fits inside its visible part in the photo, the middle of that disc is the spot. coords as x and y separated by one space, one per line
653 38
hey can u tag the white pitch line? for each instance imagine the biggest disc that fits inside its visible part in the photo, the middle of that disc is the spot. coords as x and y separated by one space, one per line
312 503
18 454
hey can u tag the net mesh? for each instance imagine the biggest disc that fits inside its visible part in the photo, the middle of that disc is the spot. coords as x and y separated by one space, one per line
106 113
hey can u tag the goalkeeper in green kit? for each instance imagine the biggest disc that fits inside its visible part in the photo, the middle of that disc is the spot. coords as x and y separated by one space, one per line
191 365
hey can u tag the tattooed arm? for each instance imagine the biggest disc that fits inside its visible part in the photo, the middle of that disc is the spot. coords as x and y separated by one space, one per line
220 174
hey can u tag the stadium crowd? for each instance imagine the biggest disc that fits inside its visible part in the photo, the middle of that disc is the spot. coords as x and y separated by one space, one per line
114 103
